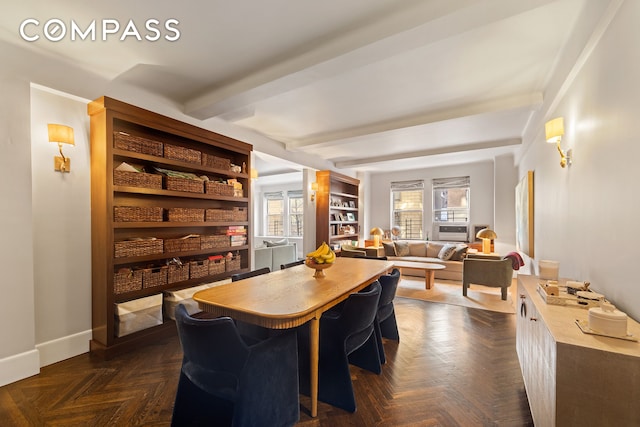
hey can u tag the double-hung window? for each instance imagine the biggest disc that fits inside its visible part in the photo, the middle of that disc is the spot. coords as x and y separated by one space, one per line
451 200
407 208
284 213
274 206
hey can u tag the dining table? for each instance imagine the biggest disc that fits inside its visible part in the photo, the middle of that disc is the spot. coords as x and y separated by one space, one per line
291 297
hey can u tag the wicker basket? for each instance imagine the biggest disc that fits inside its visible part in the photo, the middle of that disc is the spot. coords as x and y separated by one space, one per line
218 188
137 214
218 215
216 266
183 154
137 144
184 184
184 244
199 268
240 214
185 215
137 179
127 281
215 162
178 273
233 264
156 276
131 248
214 241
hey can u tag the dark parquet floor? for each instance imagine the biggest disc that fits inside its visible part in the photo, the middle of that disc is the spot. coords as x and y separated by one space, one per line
454 366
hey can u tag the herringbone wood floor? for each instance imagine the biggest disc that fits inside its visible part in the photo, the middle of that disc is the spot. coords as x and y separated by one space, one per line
454 366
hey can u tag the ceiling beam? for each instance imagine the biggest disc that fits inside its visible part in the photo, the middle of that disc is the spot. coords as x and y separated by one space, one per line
415 24
431 152
529 100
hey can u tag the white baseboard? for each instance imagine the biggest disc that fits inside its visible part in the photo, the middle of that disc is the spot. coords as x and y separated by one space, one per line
19 366
63 348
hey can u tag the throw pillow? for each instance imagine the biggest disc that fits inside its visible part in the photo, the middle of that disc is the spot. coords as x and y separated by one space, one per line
271 244
418 249
433 249
460 252
402 248
447 252
389 249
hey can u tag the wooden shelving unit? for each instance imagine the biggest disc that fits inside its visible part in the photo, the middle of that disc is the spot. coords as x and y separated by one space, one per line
337 216
108 117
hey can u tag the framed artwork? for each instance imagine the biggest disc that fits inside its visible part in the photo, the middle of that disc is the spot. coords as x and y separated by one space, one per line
351 216
524 215
352 204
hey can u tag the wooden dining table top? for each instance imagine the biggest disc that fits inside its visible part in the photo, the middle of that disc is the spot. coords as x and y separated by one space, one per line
288 298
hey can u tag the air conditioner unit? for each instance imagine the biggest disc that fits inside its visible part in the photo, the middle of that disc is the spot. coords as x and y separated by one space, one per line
453 233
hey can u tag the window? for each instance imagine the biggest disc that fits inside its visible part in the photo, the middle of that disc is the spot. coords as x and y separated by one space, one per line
451 200
283 213
274 203
406 208
295 213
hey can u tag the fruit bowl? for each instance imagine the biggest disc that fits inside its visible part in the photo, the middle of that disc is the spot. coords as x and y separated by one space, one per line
311 263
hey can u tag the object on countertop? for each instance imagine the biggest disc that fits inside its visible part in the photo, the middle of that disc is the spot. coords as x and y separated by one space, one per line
574 286
607 320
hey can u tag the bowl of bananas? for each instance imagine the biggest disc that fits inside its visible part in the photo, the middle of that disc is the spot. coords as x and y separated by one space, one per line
320 259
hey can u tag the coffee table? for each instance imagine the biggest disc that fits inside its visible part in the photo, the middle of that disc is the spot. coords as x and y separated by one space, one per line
428 267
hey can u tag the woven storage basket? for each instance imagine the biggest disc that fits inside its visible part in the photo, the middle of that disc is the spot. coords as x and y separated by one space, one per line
240 214
184 184
214 241
198 268
184 244
137 179
215 162
178 273
183 154
216 267
218 188
156 276
218 215
127 281
185 215
137 144
233 263
130 248
137 214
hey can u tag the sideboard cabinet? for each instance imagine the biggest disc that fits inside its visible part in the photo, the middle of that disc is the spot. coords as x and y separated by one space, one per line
573 378
169 207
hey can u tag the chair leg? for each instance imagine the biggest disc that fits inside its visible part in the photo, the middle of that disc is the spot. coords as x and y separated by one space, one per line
366 356
195 407
389 327
464 288
504 293
378 332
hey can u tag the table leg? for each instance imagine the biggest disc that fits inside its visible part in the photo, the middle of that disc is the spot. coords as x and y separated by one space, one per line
314 326
429 277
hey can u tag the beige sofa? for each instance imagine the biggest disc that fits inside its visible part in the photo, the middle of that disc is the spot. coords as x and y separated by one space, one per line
418 250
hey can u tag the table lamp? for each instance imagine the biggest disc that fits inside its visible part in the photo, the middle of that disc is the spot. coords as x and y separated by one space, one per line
376 232
487 236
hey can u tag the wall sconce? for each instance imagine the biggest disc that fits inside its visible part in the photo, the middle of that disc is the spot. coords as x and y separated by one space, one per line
314 188
554 129
487 236
62 135
253 174
376 232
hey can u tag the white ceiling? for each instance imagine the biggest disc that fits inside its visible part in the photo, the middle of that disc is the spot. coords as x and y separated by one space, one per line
365 84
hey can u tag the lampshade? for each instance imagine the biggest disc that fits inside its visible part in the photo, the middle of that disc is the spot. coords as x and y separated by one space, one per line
61 134
554 129
253 173
376 231
486 233
314 186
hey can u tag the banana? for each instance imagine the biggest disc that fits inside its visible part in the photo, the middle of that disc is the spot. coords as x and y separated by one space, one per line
322 249
329 258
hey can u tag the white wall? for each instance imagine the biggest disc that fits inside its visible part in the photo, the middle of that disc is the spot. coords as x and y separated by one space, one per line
586 216
481 200
62 229
18 357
